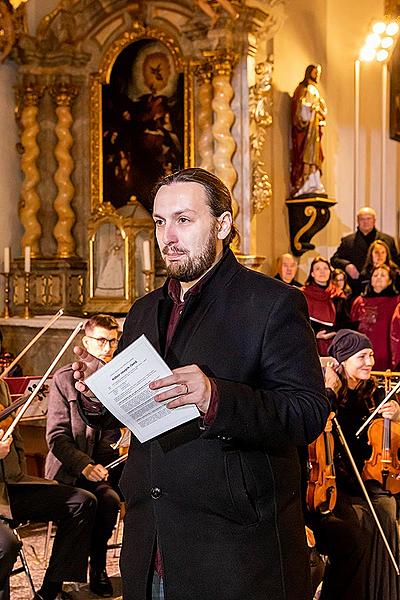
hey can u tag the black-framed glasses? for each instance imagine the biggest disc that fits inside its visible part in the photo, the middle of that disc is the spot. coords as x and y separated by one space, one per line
104 341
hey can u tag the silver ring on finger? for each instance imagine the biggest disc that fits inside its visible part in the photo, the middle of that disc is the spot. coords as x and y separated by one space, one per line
186 389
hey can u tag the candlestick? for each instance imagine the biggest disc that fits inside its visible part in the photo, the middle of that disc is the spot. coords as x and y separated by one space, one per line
26 301
27 259
146 256
148 280
7 260
6 295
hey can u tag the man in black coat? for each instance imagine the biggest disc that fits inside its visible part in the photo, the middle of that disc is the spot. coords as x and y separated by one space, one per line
352 252
215 503
286 269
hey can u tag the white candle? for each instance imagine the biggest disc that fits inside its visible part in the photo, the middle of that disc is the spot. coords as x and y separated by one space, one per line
7 259
146 256
27 259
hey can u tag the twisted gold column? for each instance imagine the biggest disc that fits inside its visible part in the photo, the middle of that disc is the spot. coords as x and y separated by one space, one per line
63 95
205 143
225 145
30 202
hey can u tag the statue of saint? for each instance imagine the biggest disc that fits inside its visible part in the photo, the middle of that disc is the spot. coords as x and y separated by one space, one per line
308 118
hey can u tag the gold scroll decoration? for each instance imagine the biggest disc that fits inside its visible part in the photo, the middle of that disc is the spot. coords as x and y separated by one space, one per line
309 211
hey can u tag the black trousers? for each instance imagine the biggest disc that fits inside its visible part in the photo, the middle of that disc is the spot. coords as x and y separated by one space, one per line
108 504
9 548
72 509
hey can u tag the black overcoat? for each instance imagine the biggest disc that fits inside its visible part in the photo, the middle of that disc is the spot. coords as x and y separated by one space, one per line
353 249
223 503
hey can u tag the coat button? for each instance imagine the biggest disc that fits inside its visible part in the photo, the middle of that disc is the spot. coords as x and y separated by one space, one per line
155 493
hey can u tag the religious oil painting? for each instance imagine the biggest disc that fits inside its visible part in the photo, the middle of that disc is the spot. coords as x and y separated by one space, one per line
142 122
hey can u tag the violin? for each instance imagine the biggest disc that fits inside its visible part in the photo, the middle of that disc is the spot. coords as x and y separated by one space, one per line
5 412
384 465
321 485
384 438
6 421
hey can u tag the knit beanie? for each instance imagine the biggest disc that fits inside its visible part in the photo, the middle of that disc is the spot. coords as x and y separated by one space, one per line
346 343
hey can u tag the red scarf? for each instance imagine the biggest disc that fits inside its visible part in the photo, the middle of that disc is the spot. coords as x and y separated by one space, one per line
320 303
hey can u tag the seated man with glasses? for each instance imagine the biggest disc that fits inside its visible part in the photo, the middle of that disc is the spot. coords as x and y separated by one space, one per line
78 453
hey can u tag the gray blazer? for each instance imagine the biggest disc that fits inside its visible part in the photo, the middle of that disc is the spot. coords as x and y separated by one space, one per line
70 441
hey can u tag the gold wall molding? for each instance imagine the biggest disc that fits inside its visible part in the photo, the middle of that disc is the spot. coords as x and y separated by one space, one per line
63 94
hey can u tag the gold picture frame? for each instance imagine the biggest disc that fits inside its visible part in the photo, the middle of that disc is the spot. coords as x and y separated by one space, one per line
139 34
117 275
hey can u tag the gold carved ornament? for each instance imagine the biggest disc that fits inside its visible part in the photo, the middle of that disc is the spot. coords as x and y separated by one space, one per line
12 24
260 121
309 211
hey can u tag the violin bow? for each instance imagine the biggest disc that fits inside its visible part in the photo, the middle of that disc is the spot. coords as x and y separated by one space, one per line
372 415
117 461
53 319
41 382
364 489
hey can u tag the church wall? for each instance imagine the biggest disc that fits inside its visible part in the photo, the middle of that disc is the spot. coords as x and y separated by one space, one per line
327 31
331 33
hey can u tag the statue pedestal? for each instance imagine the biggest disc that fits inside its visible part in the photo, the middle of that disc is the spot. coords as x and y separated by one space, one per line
308 214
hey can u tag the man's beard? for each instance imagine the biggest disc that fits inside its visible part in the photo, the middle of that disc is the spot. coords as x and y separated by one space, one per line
190 268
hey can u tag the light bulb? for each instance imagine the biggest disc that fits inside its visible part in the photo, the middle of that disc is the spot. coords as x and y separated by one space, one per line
379 27
382 55
373 40
392 28
387 42
367 54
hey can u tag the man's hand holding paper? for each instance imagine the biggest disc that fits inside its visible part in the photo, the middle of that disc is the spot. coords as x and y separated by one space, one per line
127 386
195 386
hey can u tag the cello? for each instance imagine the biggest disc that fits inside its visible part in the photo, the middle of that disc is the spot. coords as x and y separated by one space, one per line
321 485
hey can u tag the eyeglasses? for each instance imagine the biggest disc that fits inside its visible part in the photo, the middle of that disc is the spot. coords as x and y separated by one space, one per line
101 342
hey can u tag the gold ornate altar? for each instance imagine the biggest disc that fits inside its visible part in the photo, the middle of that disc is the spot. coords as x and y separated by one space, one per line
99 85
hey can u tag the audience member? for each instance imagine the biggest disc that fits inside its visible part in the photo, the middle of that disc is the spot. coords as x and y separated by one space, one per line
326 303
373 312
339 279
378 255
352 251
78 453
286 266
